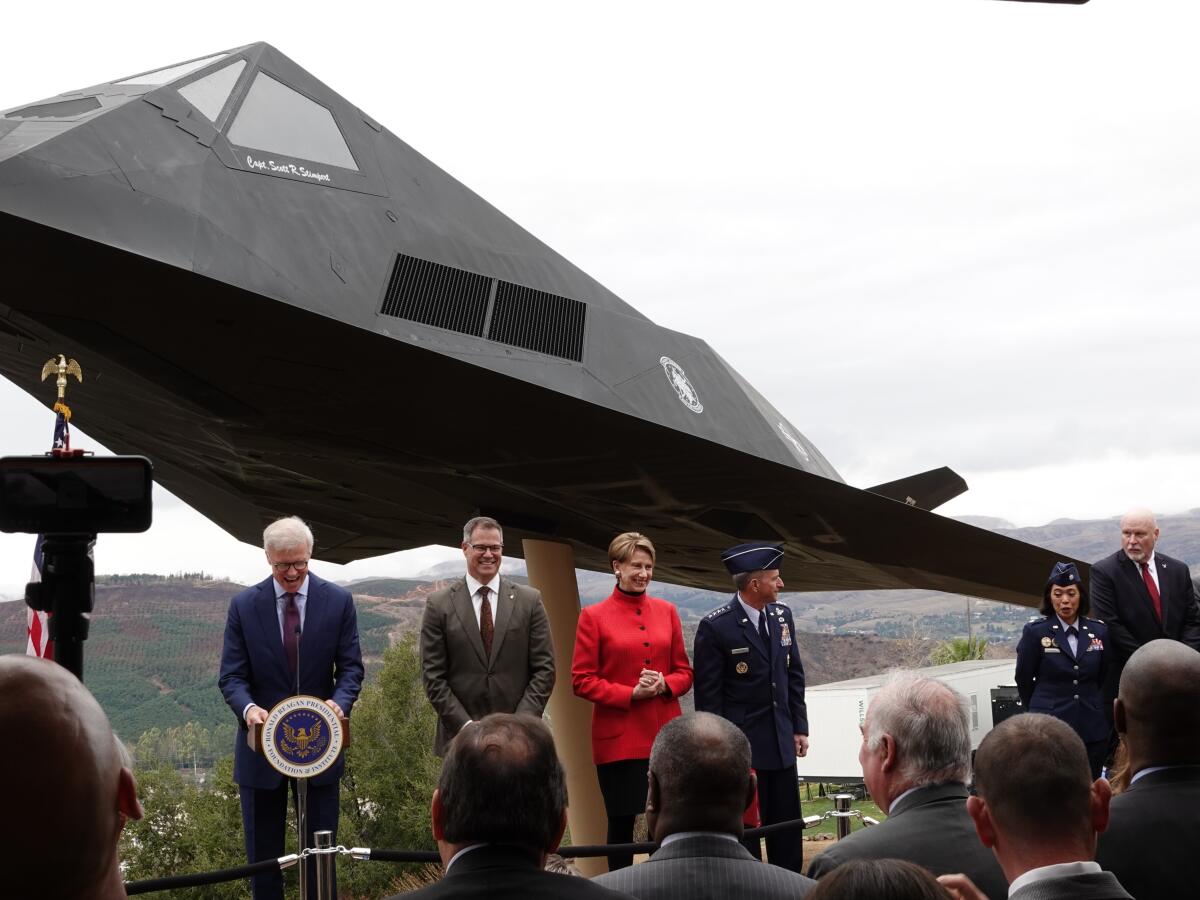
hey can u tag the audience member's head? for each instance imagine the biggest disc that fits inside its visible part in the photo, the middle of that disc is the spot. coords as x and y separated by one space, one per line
1036 803
1157 711
699 776
873 879
916 732
501 783
66 783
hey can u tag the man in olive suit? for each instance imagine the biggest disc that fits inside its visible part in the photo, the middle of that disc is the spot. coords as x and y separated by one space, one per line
485 641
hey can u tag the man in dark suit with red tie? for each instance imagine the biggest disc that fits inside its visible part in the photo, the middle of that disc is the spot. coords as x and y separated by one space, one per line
1142 595
292 630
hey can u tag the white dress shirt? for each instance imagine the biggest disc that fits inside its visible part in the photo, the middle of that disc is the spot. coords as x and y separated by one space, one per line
493 595
753 614
1058 870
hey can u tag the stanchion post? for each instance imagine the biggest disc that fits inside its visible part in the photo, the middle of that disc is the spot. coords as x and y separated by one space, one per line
326 889
841 806
302 827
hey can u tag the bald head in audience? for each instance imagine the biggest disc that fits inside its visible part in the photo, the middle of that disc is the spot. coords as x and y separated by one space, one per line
66 785
1151 842
700 777
1158 708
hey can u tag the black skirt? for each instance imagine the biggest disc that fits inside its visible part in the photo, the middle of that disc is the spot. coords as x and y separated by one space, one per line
623 784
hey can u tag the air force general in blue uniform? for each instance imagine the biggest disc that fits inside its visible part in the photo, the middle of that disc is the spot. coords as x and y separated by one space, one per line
747 669
1061 662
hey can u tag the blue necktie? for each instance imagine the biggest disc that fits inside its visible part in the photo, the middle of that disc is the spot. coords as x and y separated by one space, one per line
762 632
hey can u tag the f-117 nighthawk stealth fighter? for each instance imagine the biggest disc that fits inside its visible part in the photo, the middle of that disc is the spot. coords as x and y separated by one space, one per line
290 310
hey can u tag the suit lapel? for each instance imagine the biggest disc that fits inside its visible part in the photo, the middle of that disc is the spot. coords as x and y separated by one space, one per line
315 609
460 600
1060 637
268 621
1163 593
508 595
748 630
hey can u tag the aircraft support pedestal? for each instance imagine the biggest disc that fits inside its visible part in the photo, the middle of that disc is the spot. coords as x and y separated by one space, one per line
551 568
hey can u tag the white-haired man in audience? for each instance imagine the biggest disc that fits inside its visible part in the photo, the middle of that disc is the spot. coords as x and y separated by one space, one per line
916 761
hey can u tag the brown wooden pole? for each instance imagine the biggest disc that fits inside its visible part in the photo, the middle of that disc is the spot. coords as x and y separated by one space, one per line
551 568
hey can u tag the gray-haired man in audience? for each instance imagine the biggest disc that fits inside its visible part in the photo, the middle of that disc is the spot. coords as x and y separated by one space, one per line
916 761
700 786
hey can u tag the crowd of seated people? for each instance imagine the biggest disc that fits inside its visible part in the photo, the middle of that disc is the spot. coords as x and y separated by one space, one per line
1036 826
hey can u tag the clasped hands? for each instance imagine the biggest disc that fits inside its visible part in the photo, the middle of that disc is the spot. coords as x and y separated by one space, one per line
650 684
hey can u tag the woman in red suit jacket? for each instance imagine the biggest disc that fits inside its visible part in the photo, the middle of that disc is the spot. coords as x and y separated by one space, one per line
631 663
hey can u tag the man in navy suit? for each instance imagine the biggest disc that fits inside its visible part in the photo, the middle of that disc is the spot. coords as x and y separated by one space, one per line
292 633
1142 595
748 670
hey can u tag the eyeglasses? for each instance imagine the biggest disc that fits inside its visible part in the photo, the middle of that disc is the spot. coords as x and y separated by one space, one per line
299 566
487 548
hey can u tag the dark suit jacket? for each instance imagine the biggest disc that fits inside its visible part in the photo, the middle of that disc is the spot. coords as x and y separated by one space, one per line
497 873
1121 601
760 694
254 668
706 868
464 686
1093 886
1069 687
929 827
1153 834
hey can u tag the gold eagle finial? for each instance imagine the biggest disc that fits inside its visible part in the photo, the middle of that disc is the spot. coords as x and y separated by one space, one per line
62 367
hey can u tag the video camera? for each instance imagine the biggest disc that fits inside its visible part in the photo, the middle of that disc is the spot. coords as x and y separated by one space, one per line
69 499
75 494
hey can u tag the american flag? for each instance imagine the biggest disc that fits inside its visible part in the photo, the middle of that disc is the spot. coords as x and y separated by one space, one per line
37 624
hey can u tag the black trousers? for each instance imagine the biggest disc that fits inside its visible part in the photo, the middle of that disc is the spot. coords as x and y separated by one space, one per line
264 818
779 801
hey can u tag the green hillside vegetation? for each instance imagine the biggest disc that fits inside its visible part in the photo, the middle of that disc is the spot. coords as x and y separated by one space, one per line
154 648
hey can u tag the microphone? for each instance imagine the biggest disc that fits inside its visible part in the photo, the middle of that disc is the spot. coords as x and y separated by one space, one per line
297 694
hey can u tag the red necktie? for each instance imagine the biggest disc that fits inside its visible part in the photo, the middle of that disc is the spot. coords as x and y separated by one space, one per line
291 625
487 628
1153 589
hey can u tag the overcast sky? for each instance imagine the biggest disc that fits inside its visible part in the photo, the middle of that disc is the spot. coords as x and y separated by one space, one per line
960 232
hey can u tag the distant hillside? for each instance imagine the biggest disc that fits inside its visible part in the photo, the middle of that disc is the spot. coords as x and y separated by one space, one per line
154 649
155 641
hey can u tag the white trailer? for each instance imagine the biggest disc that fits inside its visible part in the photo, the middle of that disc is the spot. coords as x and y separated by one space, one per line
836 710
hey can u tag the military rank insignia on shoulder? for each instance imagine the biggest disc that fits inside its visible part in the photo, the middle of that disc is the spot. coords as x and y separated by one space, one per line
720 611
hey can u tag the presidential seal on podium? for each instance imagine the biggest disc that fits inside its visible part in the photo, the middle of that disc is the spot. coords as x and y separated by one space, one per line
302 737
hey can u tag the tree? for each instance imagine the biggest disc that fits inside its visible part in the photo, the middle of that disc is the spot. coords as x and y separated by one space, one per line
391 771
186 829
390 776
958 650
